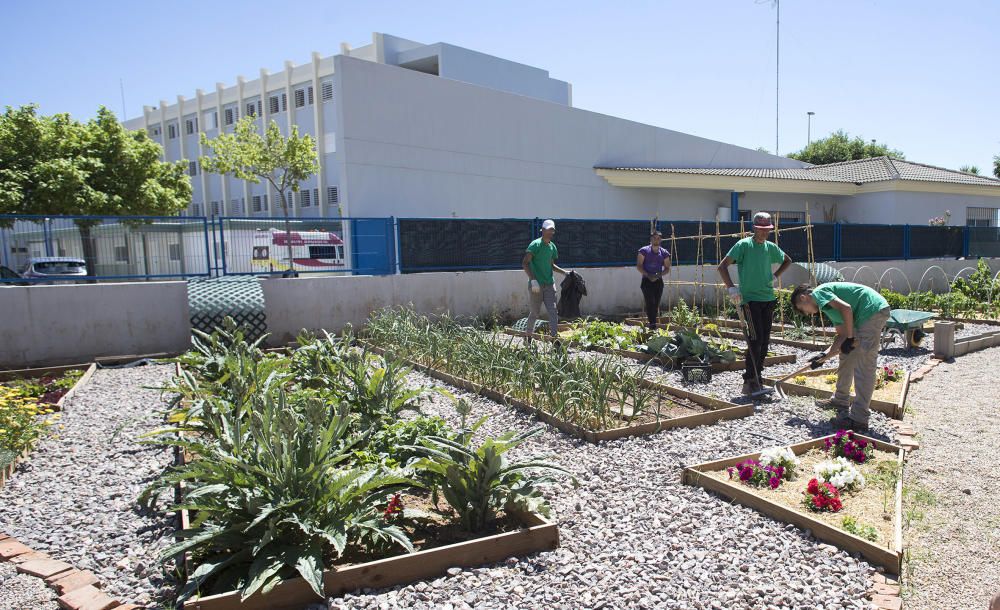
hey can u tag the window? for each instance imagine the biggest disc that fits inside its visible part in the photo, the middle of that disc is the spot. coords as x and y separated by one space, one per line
256 202
236 207
300 98
309 95
304 198
196 209
284 102
251 109
272 104
332 196
230 116
171 131
316 197
326 91
121 254
982 217
154 131
192 168
215 208
191 126
175 252
212 119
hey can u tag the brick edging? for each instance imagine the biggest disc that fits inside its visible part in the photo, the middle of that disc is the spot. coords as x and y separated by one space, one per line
77 589
884 592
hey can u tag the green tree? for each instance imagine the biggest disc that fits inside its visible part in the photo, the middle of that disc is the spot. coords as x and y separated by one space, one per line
247 155
969 169
52 165
996 166
840 147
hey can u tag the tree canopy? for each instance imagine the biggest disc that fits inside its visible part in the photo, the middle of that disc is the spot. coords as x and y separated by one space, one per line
57 165
839 146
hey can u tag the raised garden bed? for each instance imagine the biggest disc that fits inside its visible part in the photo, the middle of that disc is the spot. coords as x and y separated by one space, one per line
51 387
867 507
51 393
664 322
736 365
682 409
889 399
537 534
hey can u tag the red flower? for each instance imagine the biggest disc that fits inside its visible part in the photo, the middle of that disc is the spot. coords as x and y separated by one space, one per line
813 487
394 508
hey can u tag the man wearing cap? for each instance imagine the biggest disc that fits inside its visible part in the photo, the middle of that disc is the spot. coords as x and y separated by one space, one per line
755 256
859 314
539 263
653 262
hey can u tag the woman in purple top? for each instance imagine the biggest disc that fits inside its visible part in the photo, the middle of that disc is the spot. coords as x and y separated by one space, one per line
653 262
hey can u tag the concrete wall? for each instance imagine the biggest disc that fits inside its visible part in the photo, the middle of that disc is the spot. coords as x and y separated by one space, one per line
456 149
52 325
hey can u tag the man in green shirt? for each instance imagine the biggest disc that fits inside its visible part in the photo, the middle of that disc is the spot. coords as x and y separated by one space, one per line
859 314
539 263
755 257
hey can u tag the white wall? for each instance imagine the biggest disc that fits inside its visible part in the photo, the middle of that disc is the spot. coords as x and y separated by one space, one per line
900 207
455 149
51 325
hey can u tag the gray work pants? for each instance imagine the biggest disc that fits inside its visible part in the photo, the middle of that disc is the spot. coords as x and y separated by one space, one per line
547 296
859 366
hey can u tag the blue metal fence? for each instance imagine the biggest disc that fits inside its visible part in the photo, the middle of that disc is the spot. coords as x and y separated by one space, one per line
112 247
149 248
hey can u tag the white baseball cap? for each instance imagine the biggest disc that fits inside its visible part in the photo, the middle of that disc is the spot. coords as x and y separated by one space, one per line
548 224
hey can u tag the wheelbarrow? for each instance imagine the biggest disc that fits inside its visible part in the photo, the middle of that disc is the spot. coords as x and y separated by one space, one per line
906 324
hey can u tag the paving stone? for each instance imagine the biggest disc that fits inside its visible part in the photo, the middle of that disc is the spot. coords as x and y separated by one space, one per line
88 597
886 589
888 603
12 548
75 580
44 568
29 556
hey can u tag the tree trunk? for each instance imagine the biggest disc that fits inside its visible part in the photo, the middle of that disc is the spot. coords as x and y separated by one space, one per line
89 251
288 237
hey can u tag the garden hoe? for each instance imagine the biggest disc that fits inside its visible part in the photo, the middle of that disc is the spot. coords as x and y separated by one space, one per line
777 384
748 332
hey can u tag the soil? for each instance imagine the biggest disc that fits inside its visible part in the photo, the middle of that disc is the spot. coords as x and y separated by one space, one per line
888 393
865 505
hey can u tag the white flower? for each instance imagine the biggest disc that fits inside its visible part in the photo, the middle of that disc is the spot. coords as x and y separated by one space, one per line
840 473
780 456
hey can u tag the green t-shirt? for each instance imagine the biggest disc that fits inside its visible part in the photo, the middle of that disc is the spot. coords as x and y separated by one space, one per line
754 261
864 301
542 255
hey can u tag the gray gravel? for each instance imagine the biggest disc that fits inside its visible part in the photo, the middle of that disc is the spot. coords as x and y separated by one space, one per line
24 592
75 497
955 549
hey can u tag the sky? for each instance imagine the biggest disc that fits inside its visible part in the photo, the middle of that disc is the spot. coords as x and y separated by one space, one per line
917 75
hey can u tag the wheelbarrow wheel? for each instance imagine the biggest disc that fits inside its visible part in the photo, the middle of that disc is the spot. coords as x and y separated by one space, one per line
915 336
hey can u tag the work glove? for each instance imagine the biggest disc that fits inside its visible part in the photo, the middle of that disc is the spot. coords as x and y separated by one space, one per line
847 346
534 286
816 361
734 295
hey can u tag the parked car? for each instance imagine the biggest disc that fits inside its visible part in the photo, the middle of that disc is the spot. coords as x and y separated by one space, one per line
9 277
53 268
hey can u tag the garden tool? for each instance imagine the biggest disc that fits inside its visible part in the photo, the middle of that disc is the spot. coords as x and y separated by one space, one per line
777 384
748 333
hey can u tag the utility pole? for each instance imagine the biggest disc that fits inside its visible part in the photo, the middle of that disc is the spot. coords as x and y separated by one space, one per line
809 127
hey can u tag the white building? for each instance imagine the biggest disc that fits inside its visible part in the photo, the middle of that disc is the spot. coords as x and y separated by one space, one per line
412 130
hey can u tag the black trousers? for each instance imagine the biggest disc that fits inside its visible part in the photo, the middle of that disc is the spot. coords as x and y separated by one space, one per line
652 292
759 315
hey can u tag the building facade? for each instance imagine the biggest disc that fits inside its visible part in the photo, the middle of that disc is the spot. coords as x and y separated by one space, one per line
406 129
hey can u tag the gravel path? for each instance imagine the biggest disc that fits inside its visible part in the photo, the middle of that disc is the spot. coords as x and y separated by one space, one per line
75 498
24 592
955 549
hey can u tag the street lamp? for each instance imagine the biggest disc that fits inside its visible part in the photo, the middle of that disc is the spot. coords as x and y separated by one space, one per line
809 121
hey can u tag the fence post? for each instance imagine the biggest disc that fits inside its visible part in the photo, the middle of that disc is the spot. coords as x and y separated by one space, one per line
836 242
391 241
222 245
966 235
47 235
906 242
208 251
